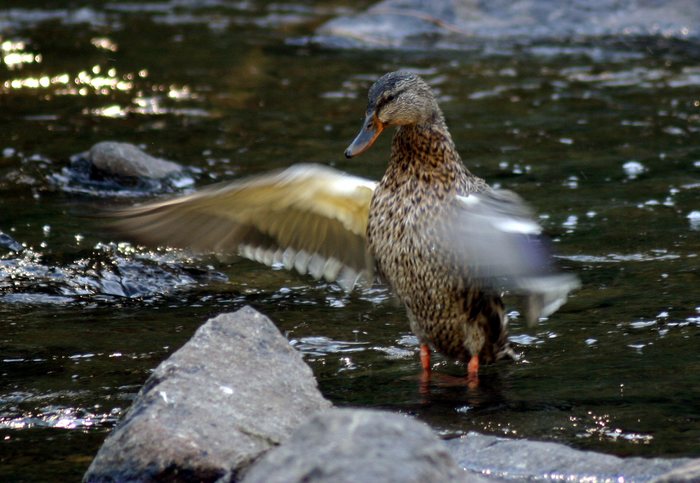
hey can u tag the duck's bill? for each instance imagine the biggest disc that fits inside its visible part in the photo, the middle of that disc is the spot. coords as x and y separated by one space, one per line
371 129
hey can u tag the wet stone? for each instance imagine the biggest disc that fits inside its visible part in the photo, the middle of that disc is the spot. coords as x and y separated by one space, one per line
521 459
685 474
9 243
235 390
124 159
108 272
352 445
113 168
456 23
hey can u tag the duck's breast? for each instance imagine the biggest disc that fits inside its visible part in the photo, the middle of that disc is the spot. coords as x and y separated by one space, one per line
402 234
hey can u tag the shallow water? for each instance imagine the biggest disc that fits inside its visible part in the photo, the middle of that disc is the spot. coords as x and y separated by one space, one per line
602 141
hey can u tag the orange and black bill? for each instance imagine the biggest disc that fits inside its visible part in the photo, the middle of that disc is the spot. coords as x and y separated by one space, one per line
371 129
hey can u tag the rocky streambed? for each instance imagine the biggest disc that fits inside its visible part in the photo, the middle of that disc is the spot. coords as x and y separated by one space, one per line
238 403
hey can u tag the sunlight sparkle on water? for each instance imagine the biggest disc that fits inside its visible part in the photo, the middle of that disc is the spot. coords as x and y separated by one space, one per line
694 219
601 427
61 418
14 55
83 83
104 43
633 169
113 111
100 81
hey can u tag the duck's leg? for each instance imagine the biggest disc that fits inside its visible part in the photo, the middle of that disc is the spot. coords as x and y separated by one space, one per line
425 357
473 372
425 374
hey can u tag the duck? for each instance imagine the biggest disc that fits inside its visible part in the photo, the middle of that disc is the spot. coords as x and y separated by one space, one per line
446 244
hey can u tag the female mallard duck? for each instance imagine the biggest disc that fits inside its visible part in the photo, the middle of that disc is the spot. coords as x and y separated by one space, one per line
444 241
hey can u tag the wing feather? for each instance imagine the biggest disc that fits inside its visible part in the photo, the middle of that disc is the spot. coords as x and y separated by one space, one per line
309 217
492 237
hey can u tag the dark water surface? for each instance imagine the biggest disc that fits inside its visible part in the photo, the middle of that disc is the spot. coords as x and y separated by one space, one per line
602 141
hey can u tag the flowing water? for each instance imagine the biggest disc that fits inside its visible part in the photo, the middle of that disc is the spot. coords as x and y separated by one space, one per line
601 140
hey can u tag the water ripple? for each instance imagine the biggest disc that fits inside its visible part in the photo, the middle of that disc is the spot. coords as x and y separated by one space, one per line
60 417
320 346
621 257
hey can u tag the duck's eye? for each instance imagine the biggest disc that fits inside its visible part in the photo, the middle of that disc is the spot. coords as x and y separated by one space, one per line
390 98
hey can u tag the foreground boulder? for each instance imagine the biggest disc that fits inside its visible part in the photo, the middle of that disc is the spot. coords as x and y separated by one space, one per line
521 459
236 389
684 474
352 445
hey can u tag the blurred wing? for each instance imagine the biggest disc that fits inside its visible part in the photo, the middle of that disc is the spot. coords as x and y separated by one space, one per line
493 236
308 217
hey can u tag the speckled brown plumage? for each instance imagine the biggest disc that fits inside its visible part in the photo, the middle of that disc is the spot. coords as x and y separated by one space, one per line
409 208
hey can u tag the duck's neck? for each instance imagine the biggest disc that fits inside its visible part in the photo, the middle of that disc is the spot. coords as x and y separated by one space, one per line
421 149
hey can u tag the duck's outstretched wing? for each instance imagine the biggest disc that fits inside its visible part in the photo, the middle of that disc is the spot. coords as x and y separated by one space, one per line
492 236
308 217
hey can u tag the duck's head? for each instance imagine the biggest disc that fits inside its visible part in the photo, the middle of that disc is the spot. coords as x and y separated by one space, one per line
396 99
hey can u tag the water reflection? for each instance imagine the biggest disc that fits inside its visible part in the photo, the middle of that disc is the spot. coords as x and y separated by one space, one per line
320 346
145 98
83 83
60 418
602 427
15 55
694 219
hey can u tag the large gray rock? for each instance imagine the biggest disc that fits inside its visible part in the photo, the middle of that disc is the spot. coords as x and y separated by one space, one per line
233 391
451 23
685 474
124 159
352 445
520 459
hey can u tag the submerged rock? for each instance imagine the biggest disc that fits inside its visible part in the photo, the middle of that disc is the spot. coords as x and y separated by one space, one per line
349 445
454 23
521 459
236 389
